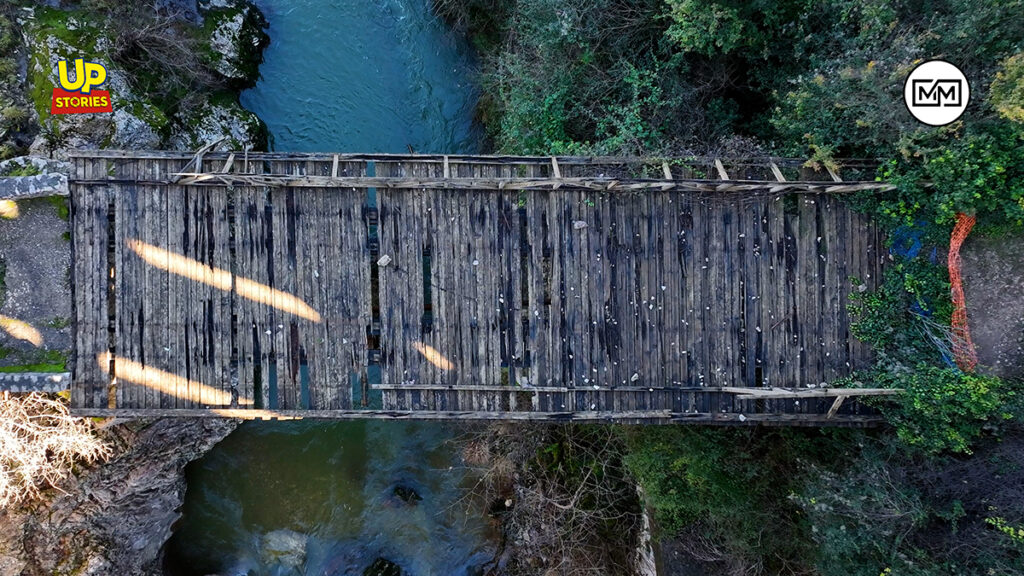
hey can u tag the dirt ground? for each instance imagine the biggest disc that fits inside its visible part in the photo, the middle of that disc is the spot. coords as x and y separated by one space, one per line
35 255
993 273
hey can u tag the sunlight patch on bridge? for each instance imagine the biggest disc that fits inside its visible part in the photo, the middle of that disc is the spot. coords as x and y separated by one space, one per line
433 356
165 382
222 280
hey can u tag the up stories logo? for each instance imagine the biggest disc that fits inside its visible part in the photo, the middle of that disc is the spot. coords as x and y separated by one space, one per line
78 96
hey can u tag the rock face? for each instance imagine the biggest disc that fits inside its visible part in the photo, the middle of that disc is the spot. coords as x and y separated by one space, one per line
236 39
215 119
115 517
229 49
135 122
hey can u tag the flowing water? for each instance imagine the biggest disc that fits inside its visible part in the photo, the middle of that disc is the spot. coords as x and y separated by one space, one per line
364 76
330 498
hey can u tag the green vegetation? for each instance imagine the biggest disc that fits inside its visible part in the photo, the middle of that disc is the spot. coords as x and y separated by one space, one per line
36 361
701 486
23 170
59 323
14 115
821 80
159 70
62 205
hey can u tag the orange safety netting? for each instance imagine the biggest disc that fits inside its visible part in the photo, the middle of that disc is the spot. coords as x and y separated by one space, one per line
963 348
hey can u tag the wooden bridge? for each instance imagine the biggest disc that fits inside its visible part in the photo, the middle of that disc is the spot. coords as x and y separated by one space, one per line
324 285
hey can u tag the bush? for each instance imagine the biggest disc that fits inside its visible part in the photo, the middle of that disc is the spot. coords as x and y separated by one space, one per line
978 171
943 409
562 494
1007 90
39 444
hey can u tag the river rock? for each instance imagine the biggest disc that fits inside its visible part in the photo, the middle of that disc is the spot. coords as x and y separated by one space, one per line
214 120
383 567
237 39
407 495
284 547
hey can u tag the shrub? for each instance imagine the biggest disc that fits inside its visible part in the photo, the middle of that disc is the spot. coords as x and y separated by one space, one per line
978 171
1007 90
14 115
944 409
39 444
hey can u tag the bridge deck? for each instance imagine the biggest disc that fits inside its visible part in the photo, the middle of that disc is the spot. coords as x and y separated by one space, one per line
309 294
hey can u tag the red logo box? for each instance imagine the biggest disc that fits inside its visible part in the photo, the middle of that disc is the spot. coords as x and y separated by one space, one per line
65 102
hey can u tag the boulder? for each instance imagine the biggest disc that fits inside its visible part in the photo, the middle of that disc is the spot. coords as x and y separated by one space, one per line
236 39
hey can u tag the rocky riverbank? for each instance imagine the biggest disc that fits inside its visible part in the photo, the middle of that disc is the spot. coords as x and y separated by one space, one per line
112 518
174 69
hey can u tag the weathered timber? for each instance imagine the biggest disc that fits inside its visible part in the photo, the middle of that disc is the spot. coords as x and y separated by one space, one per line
635 417
485 183
506 287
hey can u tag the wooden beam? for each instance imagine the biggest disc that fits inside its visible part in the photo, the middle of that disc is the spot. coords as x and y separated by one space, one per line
835 406
334 167
660 416
721 170
666 171
810 392
229 163
494 183
777 172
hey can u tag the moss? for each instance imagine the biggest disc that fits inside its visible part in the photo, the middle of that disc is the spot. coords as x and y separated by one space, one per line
151 115
37 361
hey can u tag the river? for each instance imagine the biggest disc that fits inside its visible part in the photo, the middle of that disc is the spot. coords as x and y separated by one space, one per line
330 498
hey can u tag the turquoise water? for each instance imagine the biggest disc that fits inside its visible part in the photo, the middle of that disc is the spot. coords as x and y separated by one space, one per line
370 76
348 77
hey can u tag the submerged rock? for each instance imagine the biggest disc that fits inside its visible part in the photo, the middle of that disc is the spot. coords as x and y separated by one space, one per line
407 494
383 567
284 547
